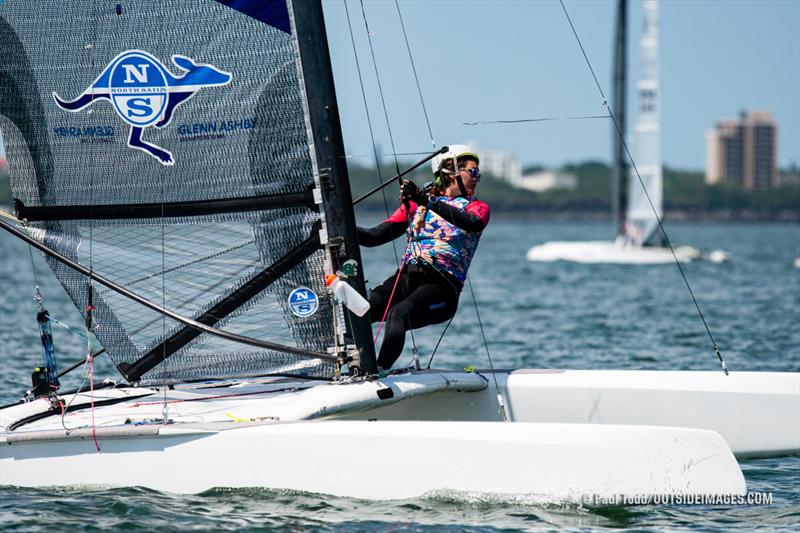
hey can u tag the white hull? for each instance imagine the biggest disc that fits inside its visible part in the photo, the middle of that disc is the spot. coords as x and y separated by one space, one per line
608 252
561 462
757 413
615 435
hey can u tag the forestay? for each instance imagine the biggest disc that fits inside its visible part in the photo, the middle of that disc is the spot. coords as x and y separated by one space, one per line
168 147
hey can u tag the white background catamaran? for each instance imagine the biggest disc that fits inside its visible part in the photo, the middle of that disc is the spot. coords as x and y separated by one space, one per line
639 239
202 275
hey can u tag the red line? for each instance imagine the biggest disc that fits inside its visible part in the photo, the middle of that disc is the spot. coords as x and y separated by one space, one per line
389 303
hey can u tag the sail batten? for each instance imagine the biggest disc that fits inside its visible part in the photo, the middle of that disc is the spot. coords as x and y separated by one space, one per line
165 145
172 209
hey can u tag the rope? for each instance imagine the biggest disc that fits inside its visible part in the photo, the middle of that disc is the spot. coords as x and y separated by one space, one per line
389 303
66 326
647 195
80 363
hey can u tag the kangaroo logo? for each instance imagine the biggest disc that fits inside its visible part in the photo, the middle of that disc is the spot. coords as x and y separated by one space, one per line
144 93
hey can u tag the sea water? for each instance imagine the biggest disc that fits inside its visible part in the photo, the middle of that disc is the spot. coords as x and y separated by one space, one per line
535 315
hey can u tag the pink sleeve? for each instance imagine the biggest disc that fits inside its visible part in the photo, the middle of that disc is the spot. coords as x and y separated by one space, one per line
480 209
400 214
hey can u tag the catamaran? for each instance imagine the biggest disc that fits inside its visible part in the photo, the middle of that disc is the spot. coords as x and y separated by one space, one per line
180 164
639 239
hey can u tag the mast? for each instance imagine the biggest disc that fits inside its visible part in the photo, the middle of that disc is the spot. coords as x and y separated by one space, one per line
620 163
327 149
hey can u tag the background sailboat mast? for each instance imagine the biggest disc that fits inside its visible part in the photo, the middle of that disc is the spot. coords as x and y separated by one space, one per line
641 221
328 151
618 157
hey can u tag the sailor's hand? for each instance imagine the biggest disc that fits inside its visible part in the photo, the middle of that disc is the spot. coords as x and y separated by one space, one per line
410 192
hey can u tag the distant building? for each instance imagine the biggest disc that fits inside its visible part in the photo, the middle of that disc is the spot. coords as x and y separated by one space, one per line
744 152
500 164
548 179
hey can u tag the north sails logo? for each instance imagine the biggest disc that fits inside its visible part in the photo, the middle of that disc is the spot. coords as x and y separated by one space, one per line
144 93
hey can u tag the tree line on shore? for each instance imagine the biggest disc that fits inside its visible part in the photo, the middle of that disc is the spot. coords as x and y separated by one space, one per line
685 194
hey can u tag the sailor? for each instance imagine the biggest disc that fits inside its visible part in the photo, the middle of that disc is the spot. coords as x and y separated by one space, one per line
443 223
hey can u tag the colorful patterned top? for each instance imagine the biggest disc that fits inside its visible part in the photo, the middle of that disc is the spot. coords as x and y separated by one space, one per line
439 242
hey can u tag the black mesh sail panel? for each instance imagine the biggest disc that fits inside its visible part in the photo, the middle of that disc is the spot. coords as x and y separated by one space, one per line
165 146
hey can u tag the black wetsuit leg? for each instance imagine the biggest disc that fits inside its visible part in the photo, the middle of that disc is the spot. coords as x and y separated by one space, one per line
420 299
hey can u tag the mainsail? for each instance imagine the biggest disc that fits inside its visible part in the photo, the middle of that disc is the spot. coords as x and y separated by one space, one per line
180 149
641 221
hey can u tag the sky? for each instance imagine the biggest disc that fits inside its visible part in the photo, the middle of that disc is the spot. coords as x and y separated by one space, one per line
484 60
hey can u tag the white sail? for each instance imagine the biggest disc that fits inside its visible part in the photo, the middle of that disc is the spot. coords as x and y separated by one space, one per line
641 221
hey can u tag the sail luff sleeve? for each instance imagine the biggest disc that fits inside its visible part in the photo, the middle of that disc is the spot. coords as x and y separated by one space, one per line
327 146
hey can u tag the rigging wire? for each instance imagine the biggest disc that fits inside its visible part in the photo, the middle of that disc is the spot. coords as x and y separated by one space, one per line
414 348
500 403
167 367
436 347
351 156
540 119
369 119
90 289
372 134
647 194
430 132
414 70
380 87
164 406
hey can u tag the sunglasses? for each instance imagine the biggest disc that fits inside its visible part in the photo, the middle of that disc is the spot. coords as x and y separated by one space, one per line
474 172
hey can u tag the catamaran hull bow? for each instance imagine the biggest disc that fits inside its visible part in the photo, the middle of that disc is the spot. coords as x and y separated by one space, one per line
559 462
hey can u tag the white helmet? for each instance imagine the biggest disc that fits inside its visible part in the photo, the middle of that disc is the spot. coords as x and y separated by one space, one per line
455 151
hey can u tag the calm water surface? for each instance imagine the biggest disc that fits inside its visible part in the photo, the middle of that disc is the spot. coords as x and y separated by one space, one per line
554 315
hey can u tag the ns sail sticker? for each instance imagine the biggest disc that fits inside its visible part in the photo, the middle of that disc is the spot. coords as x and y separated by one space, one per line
145 93
303 302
